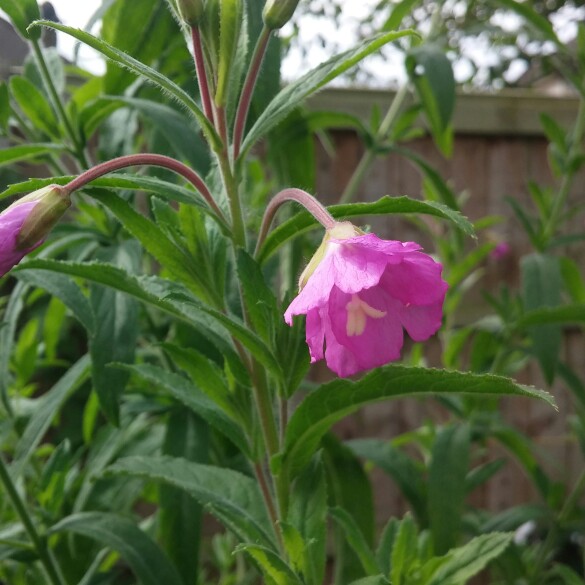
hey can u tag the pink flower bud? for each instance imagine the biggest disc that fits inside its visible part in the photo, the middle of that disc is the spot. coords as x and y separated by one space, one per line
26 223
500 251
360 293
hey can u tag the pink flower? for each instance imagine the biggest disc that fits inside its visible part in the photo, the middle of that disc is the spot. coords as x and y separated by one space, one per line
361 292
11 221
500 251
25 224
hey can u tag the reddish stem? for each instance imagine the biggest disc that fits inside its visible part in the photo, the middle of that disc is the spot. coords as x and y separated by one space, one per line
248 89
157 160
316 209
201 73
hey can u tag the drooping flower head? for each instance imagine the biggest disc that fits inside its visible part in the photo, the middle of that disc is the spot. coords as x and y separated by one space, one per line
359 292
25 224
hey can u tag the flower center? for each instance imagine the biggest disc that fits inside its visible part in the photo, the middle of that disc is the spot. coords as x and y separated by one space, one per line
357 313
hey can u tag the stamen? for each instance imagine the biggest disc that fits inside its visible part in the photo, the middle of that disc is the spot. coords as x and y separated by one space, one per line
357 313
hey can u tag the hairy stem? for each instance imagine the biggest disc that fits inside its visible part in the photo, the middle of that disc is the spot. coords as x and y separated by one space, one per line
248 90
316 209
39 544
157 160
201 73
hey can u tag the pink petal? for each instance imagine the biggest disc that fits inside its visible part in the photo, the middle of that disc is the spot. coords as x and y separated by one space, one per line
11 221
422 321
315 335
379 344
416 280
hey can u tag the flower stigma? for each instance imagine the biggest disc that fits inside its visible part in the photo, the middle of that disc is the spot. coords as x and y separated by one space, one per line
357 313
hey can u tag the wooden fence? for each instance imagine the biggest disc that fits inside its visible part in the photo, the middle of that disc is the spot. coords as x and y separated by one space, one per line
499 147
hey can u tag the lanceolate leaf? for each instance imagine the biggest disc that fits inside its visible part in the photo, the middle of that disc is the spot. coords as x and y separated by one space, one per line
303 221
22 13
158 292
232 496
26 152
568 314
187 393
140 69
335 400
468 560
292 95
146 559
47 408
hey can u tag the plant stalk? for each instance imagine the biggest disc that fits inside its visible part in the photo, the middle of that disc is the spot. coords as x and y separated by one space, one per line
157 160
39 544
248 90
201 73
316 209
564 189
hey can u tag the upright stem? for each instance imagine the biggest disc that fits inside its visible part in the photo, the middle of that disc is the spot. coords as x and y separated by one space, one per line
248 90
564 189
201 73
157 160
39 544
231 187
57 104
370 155
316 209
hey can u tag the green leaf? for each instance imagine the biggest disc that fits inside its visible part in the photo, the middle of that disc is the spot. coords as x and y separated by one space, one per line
536 20
34 105
259 298
400 467
14 154
403 551
568 575
377 580
446 485
5 110
180 515
356 539
468 560
47 407
333 401
399 11
65 290
350 488
273 567
146 559
142 70
308 514
574 283
116 331
177 129
229 34
432 74
156 243
541 287
21 14
567 314
303 222
293 94
185 392
232 496
386 544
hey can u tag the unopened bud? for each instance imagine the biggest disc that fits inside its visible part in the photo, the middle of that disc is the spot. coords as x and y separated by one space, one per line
25 224
277 13
190 11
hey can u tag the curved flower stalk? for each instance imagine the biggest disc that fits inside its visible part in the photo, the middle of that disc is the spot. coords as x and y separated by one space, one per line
25 224
359 292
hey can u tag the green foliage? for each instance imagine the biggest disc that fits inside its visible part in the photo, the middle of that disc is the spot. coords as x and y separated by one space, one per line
148 378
